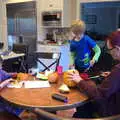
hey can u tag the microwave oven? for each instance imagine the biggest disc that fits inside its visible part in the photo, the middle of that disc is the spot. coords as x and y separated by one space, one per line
52 18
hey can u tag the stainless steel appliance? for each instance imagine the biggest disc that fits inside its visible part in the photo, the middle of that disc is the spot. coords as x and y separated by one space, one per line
22 24
52 18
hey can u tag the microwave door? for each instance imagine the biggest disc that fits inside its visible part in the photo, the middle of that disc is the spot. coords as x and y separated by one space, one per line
51 19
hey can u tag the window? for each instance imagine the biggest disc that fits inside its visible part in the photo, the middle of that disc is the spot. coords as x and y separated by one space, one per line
90 19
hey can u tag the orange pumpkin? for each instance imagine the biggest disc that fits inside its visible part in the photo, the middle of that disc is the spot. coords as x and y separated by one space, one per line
68 80
53 77
22 76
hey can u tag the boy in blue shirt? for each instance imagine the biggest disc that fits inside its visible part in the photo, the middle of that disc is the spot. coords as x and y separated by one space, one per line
81 46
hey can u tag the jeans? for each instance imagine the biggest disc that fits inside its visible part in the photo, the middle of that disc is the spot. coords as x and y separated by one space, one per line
11 109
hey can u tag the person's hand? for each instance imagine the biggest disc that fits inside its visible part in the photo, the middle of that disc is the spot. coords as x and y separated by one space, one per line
5 83
66 113
92 62
105 74
74 77
14 74
72 36
71 66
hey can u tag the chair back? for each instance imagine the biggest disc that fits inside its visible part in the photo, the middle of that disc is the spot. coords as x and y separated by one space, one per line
54 56
20 48
49 116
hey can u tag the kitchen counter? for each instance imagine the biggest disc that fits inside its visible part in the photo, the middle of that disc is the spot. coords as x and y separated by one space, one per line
51 44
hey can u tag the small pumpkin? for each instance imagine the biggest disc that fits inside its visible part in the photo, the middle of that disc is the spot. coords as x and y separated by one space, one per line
53 77
68 80
22 76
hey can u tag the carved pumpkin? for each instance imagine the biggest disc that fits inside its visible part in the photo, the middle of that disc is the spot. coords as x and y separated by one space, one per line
68 80
22 76
53 77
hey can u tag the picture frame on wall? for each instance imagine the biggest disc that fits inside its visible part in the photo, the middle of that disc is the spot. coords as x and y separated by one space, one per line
90 19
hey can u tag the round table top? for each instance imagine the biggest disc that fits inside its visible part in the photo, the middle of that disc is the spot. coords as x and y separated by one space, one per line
41 98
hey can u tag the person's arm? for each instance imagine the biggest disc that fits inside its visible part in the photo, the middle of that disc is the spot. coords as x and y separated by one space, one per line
92 44
5 83
109 86
4 75
97 51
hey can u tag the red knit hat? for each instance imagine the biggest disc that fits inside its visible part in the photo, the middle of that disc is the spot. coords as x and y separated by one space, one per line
114 38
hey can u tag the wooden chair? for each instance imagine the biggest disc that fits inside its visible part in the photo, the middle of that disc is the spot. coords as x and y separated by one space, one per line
43 55
49 116
8 116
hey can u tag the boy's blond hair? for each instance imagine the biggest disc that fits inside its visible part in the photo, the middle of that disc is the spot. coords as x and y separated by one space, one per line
78 27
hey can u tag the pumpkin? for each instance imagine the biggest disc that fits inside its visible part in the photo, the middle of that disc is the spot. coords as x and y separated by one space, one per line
53 77
68 80
22 76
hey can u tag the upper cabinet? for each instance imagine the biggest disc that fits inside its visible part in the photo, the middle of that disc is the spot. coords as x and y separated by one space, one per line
48 5
66 7
69 12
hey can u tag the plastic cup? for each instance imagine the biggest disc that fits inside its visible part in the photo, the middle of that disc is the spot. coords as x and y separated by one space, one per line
59 69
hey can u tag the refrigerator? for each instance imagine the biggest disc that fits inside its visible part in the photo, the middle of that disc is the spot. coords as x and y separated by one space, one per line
22 24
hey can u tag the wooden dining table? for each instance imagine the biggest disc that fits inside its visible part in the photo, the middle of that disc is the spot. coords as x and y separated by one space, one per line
42 97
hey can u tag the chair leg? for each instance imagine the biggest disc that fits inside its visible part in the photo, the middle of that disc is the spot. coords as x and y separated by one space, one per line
22 67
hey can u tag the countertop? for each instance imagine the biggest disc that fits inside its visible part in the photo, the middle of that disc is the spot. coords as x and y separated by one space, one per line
51 44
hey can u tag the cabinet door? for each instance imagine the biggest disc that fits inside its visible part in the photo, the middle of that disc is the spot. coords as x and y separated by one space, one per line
47 5
56 4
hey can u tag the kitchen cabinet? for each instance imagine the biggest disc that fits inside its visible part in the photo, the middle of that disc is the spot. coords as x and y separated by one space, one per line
47 5
67 8
65 55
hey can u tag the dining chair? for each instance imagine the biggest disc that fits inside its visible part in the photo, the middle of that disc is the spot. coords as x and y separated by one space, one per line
44 115
21 48
8 116
41 56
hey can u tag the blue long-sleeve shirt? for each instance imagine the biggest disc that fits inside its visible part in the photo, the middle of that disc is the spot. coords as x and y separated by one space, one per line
82 51
4 75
